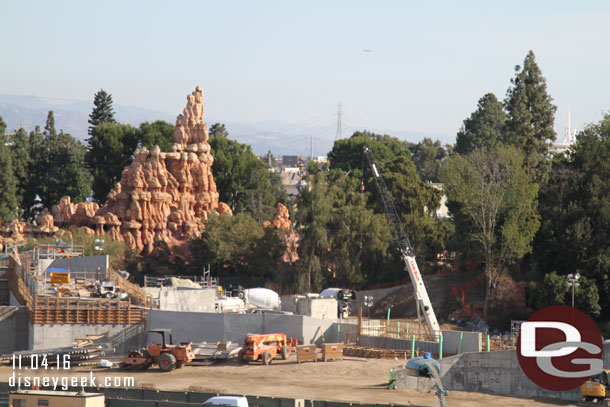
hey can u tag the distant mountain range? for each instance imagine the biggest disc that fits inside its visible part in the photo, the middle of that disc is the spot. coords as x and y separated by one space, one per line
31 111
281 137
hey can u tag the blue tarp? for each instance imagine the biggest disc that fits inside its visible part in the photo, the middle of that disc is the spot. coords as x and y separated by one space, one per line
50 270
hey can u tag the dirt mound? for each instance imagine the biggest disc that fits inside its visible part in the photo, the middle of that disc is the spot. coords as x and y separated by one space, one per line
445 299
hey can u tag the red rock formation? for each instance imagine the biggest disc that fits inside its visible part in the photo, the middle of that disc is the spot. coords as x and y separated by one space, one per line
164 196
289 239
161 196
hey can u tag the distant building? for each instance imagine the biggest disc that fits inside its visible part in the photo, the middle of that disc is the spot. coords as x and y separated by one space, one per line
49 398
442 212
293 180
293 160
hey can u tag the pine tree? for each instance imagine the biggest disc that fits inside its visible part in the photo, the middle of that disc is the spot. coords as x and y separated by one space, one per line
530 117
102 110
8 182
20 155
111 148
484 126
49 127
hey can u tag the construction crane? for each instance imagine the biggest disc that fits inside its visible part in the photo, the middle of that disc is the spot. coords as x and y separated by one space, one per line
406 250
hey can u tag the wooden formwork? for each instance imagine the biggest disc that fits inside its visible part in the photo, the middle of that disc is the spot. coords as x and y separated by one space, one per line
56 310
136 292
50 310
16 283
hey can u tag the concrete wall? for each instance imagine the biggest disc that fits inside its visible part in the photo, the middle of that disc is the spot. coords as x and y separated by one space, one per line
321 308
4 291
471 342
184 298
84 267
13 329
214 327
122 337
494 372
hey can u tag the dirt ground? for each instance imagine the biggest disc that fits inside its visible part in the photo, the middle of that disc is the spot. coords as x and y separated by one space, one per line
350 380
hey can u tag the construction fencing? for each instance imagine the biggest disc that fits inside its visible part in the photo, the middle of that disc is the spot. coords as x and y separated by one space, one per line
375 334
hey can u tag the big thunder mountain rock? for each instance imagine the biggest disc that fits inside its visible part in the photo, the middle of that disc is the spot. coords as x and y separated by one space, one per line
165 196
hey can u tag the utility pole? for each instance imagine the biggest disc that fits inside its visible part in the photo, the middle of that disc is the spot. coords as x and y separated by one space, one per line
573 282
311 149
338 135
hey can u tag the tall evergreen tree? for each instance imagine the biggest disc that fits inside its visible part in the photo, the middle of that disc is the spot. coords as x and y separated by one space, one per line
66 173
102 110
49 127
20 152
37 168
531 114
484 126
111 147
8 182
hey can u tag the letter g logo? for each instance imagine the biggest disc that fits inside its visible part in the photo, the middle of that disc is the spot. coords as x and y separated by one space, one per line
559 348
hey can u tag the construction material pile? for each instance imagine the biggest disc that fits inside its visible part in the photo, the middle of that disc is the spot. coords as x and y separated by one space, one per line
85 352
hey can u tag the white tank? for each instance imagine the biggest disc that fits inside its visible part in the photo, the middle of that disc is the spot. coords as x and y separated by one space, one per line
262 298
230 304
338 293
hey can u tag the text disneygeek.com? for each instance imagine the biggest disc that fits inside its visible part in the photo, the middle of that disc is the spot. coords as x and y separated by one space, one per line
63 383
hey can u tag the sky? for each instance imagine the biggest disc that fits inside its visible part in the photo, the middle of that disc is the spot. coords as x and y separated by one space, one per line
257 61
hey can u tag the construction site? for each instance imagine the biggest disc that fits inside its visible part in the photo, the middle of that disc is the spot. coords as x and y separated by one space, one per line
55 302
179 341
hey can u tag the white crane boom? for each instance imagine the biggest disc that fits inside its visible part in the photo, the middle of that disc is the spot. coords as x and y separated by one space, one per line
406 250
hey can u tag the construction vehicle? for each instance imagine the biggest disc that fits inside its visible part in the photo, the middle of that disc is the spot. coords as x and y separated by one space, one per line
407 253
596 390
166 355
344 308
266 347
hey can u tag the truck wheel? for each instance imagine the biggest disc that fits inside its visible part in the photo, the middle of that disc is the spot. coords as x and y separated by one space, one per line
267 357
340 294
167 362
285 352
240 357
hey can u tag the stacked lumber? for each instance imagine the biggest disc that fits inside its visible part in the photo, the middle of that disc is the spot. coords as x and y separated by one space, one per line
363 352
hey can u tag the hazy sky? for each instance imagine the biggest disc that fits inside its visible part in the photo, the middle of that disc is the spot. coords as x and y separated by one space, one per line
429 63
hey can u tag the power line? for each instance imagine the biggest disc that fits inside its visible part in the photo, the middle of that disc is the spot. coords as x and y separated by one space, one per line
338 135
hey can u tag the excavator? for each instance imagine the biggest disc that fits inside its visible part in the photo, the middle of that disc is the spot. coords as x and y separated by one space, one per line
596 390
406 250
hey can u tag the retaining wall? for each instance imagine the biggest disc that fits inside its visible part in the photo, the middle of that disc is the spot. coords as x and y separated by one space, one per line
213 327
122 337
494 372
13 329
184 298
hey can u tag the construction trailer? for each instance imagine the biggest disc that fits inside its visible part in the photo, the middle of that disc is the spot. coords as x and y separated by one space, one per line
49 398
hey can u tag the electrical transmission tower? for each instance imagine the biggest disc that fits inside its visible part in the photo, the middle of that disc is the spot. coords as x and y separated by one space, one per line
338 136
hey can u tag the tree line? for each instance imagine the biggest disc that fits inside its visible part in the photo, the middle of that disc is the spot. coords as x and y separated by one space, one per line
515 207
